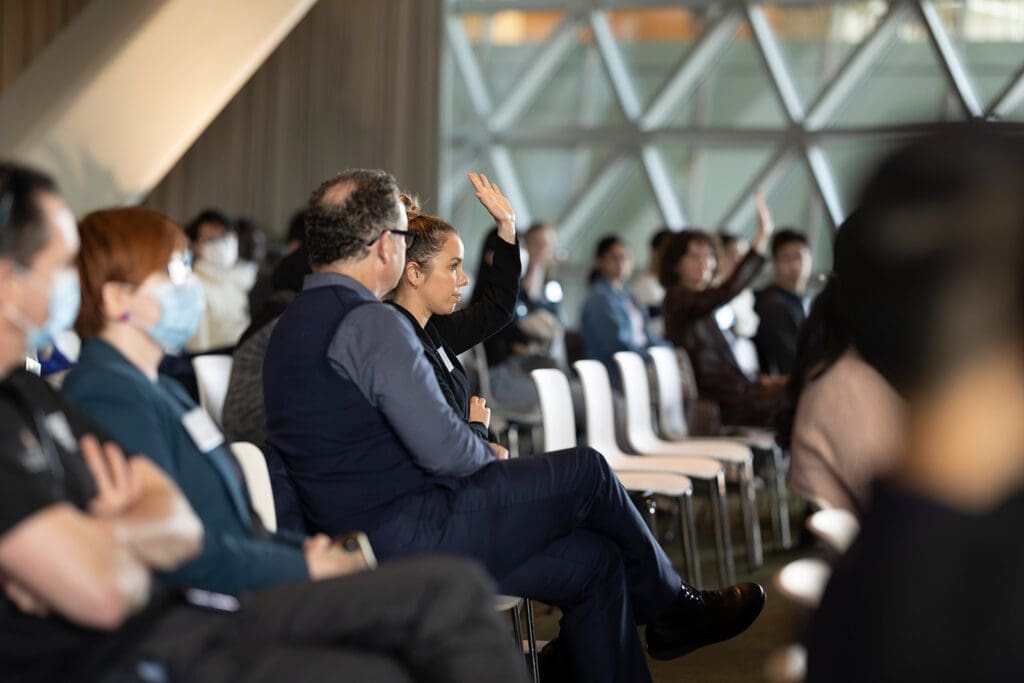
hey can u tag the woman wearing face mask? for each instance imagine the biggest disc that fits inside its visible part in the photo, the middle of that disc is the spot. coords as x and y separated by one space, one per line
140 301
431 288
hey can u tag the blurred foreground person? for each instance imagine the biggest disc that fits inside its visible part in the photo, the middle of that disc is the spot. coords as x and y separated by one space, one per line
931 590
843 423
82 528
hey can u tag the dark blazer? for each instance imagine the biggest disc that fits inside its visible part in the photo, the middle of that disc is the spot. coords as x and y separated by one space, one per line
690 323
239 555
781 315
492 308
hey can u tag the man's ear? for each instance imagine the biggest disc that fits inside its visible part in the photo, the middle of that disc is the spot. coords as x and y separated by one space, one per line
8 282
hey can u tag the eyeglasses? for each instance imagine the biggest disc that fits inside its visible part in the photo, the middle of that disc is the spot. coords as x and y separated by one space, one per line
409 236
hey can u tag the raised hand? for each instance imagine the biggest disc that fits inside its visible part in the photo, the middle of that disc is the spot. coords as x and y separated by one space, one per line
765 225
496 204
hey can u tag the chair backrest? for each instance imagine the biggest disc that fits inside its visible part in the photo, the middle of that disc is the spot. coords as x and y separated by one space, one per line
671 414
556 409
257 480
637 392
213 373
600 407
483 370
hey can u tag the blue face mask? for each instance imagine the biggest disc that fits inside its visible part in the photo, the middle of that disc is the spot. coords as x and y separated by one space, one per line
181 309
65 300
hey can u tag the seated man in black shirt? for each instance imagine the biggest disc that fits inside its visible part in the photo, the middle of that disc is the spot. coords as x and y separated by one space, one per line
82 528
782 305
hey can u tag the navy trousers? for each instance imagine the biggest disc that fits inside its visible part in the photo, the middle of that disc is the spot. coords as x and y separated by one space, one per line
558 528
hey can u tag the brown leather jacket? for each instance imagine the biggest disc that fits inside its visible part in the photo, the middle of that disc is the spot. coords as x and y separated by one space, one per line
690 323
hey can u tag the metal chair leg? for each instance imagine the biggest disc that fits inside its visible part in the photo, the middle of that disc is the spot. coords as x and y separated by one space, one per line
688 537
776 486
531 643
517 628
723 536
751 523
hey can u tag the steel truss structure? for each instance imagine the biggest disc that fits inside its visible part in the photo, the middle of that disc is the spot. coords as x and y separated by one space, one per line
495 125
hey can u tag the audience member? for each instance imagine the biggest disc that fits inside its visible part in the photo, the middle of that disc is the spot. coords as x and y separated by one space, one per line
645 286
613 320
140 301
930 591
355 411
539 289
81 528
225 284
782 305
243 417
263 290
431 288
689 309
843 423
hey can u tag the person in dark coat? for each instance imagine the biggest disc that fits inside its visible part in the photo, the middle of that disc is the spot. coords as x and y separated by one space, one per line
687 269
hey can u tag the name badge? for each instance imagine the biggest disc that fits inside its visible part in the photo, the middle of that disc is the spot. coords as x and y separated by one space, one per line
444 359
58 427
202 429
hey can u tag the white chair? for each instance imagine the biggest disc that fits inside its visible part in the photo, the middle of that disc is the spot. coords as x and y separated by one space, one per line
503 418
597 397
838 528
257 480
673 373
560 433
213 372
803 581
516 605
736 456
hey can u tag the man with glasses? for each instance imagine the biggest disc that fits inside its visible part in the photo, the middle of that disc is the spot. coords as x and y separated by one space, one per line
357 423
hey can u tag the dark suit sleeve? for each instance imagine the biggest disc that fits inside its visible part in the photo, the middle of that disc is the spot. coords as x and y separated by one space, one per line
681 302
493 305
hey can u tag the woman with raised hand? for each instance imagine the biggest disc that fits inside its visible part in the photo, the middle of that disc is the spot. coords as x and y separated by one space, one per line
687 271
431 289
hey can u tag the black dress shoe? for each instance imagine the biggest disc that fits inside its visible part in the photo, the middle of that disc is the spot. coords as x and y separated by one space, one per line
552 665
699 619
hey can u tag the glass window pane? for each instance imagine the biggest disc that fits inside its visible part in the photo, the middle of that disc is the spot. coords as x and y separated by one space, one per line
737 92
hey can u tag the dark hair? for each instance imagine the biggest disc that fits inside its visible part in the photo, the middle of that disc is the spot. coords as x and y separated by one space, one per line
727 238
784 237
23 229
825 335
348 212
940 271
604 245
675 249
297 227
659 238
208 216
